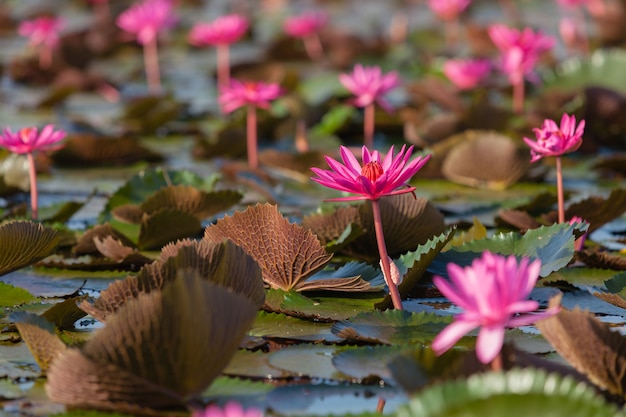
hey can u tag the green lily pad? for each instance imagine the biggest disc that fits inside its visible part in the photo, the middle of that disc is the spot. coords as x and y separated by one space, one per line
249 364
245 392
11 296
308 360
578 277
367 362
272 325
514 393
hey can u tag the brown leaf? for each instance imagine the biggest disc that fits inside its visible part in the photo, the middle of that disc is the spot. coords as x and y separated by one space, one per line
221 263
86 245
287 253
191 200
297 162
40 337
328 227
64 314
128 213
589 346
23 243
165 226
485 159
599 259
518 219
160 350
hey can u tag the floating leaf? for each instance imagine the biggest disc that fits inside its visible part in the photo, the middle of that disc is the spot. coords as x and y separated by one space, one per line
485 159
40 336
602 259
64 314
367 363
157 231
589 346
86 245
280 326
24 243
617 291
308 360
11 296
159 351
391 327
191 200
516 393
578 277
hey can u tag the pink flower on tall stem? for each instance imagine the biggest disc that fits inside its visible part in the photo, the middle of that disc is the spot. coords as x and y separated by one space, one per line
307 27
43 34
231 409
145 20
221 33
27 141
251 95
369 85
449 11
492 293
466 74
520 52
553 140
379 176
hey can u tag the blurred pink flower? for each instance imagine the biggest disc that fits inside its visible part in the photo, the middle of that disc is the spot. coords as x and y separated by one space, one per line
493 294
147 19
553 140
579 244
42 31
520 49
306 24
224 30
238 94
572 3
231 409
29 139
466 73
369 85
379 176
448 9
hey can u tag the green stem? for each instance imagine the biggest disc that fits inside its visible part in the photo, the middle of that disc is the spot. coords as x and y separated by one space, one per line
251 137
32 173
559 190
384 257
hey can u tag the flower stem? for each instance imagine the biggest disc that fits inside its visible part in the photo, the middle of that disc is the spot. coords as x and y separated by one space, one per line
313 47
32 173
223 68
518 97
45 57
251 137
559 190
496 363
151 62
368 126
384 257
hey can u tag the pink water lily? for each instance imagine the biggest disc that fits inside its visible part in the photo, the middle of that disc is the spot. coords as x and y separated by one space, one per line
231 409
221 33
251 95
369 85
466 74
448 9
379 176
28 141
43 33
492 293
307 27
145 20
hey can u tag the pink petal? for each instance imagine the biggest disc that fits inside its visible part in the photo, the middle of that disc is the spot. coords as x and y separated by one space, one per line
451 334
489 343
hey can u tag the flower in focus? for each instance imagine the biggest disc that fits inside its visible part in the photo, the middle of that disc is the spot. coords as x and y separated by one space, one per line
238 94
369 85
306 24
493 294
377 177
42 31
147 19
448 9
553 140
224 30
466 73
29 140
520 49
231 409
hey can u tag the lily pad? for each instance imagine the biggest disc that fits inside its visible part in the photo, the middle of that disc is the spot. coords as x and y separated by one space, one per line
24 243
11 296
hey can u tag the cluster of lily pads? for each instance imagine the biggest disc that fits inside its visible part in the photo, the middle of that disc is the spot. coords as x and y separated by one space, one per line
241 293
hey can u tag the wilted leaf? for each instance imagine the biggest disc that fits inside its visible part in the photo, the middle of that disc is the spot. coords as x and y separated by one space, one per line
159 351
287 253
190 200
601 259
64 314
40 336
330 228
589 346
86 245
24 243
157 230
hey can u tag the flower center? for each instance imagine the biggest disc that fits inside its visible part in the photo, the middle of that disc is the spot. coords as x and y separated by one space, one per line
372 170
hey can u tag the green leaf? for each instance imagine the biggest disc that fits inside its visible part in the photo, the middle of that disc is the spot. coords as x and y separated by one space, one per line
335 119
308 360
517 393
553 245
11 296
367 362
579 277
272 325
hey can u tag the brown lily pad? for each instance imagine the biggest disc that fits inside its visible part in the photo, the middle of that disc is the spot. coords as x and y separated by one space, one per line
23 243
40 336
601 259
187 199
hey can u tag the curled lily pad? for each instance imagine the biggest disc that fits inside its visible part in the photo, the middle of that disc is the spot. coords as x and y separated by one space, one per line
600 259
24 243
40 336
161 350
191 200
222 263
485 159
288 254
86 244
156 230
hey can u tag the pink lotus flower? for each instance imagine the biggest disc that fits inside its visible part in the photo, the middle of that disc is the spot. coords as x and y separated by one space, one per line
42 31
369 85
306 24
231 409
448 9
493 294
239 94
147 19
224 30
553 140
377 177
466 73
27 141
